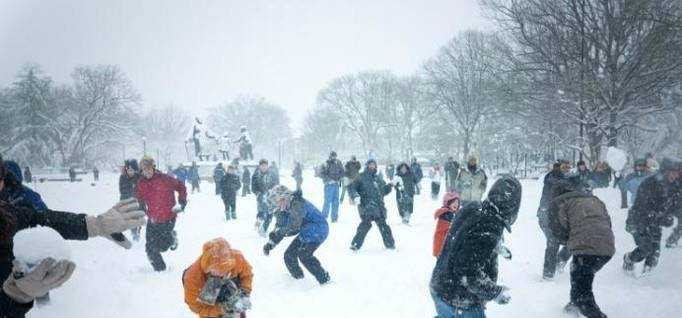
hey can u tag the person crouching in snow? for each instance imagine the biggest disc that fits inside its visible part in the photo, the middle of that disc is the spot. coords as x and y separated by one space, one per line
297 216
218 284
580 220
444 215
465 275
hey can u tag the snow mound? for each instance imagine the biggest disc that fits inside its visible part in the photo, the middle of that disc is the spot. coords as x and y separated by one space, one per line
616 158
33 245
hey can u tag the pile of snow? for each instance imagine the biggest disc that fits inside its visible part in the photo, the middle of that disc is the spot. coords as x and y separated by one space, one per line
33 245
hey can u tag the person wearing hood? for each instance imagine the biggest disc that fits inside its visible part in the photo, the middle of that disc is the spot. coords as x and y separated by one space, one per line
472 181
464 279
14 192
653 209
331 174
219 283
156 190
405 186
556 255
368 192
298 217
444 215
218 174
581 221
127 185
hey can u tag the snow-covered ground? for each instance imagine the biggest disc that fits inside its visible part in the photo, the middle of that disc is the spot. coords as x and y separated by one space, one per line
112 282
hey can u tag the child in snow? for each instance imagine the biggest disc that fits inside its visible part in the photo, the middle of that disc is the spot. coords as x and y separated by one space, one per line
296 216
218 284
444 215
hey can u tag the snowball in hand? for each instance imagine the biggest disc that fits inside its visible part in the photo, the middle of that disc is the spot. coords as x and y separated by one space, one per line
616 158
35 244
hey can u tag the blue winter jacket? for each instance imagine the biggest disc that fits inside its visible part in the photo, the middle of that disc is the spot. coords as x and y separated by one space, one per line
302 219
18 194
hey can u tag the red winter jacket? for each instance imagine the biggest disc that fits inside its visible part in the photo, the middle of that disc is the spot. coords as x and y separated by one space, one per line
444 216
158 194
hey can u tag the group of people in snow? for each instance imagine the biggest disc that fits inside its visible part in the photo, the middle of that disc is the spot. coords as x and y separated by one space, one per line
466 243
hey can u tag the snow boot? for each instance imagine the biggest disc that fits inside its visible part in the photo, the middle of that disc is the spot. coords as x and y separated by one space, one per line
325 279
354 247
174 245
628 265
572 308
233 214
589 309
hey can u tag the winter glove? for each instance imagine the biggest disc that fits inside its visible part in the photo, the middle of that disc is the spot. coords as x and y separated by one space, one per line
48 275
268 247
123 216
503 251
503 297
243 304
356 200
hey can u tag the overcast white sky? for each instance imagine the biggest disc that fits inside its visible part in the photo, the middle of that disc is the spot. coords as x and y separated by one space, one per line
199 54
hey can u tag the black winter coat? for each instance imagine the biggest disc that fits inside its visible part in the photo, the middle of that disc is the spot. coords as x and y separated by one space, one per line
353 169
465 275
229 185
261 182
405 190
550 180
654 205
127 186
71 226
332 171
371 189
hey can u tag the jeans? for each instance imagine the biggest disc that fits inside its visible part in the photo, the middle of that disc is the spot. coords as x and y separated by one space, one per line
230 202
159 240
304 252
331 199
445 310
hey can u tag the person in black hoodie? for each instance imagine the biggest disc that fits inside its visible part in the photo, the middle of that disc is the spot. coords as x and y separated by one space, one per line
404 191
229 186
556 255
127 183
465 275
653 209
368 192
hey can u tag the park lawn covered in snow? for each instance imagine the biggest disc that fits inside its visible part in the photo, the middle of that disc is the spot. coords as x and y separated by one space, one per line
112 282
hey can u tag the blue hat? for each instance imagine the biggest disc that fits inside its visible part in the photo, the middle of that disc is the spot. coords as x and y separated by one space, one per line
14 168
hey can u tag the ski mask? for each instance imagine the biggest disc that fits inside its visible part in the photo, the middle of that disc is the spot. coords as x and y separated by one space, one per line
505 195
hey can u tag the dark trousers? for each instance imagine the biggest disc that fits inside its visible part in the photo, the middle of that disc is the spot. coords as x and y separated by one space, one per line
159 240
195 186
246 189
263 214
405 207
583 269
435 190
648 246
299 251
230 202
298 184
366 224
554 253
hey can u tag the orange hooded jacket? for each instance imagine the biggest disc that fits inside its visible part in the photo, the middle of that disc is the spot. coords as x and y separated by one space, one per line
220 260
443 224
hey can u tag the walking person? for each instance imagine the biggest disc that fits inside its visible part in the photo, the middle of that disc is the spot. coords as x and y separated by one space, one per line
416 169
297 174
451 174
472 181
95 173
556 255
229 186
246 181
331 174
194 178
218 174
298 217
156 191
352 171
436 175
127 187
405 187
368 192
